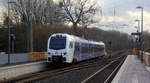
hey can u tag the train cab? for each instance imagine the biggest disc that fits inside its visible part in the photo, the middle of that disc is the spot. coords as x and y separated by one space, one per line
59 48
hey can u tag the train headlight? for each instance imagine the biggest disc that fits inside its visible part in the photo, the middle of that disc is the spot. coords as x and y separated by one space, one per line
64 59
49 59
65 53
49 53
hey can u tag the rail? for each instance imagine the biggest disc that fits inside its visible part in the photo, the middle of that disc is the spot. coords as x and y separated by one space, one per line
111 76
102 69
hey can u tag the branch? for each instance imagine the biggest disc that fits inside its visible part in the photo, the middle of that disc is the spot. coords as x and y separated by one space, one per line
65 5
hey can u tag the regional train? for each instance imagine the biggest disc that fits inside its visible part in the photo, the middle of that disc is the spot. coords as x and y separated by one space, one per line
65 48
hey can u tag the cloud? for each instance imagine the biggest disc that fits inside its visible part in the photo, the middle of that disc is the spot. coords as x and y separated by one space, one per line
125 13
113 19
133 13
97 18
137 14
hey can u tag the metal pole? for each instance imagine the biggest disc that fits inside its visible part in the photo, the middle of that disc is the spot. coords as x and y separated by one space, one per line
12 43
139 35
110 44
138 30
8 33
141 42
142 32
142 20
12 46
31 34
29 28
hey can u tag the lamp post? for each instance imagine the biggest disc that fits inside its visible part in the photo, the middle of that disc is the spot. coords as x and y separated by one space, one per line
140 7
8 25
30 33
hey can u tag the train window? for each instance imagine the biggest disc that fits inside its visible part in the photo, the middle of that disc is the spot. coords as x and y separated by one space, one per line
71 45
91 49
57 43
77 47
96 49
85 49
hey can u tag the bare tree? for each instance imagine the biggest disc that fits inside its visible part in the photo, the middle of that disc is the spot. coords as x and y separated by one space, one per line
78 11
41 11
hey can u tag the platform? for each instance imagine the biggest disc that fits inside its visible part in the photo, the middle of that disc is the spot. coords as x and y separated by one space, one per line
132 71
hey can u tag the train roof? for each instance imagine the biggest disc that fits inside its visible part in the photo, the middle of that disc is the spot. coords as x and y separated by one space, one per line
78 39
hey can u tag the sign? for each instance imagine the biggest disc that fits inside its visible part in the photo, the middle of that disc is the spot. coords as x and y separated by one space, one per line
138 33
33 56
139 39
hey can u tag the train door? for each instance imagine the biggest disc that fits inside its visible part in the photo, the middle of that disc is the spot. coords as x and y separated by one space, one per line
77 51
80 52
70 51
93 54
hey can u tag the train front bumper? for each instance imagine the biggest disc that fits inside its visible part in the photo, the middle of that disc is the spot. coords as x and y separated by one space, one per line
57 59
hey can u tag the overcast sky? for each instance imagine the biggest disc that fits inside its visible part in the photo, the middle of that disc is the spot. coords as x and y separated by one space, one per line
125 13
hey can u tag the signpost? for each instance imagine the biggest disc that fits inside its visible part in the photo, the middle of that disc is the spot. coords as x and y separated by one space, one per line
12 39
110 43
139 39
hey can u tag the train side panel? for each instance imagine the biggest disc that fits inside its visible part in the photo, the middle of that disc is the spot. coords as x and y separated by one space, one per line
84 51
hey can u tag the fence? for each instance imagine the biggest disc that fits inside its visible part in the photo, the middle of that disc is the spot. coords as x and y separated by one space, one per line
146 58
22 57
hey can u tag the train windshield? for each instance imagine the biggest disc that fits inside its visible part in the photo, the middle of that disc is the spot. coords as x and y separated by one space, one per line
57 43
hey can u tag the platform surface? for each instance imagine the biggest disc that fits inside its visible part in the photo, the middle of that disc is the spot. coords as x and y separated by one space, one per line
132 71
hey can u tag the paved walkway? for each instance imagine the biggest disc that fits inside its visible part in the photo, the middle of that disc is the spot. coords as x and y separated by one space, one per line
132 71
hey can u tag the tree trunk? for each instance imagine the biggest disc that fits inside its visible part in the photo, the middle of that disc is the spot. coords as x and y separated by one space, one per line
75 29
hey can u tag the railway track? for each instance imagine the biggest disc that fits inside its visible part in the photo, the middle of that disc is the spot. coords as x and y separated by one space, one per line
53 72
106 73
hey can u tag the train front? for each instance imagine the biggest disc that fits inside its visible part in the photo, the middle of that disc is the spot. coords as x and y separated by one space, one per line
57 51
